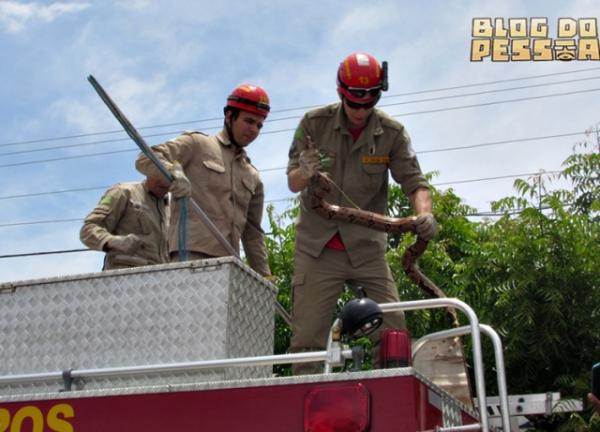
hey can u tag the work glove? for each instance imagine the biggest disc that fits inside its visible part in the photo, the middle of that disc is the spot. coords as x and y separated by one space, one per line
309 162
127 244
426 226
180 186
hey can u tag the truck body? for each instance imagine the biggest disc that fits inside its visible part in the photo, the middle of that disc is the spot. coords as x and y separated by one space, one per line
188 346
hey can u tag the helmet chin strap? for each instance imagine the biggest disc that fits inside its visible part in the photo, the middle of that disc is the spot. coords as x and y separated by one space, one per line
229 130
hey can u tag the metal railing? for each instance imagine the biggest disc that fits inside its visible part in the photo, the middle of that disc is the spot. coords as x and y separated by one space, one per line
334 355
499 358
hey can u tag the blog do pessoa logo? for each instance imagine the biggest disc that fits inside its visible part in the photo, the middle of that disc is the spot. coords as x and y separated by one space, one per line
523 39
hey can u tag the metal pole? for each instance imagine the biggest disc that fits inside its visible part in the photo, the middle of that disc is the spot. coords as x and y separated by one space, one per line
139 140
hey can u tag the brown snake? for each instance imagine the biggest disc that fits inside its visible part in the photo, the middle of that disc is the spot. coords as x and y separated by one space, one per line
320 186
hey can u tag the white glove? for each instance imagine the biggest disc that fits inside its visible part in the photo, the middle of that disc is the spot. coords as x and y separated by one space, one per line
309 162
126 244
426 226
180 186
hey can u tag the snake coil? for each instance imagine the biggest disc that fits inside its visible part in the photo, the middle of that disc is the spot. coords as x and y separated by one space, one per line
321 185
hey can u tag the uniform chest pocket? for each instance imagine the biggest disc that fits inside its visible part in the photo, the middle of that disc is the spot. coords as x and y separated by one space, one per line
373 175
374 168
246 191
143 217
216 174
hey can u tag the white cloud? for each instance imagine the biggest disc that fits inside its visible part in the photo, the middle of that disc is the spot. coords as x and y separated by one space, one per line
15 16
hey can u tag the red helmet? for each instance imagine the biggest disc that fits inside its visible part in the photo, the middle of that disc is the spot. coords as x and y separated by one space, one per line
249 98
361 79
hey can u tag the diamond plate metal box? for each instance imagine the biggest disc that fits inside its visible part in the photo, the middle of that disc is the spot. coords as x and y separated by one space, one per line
172 313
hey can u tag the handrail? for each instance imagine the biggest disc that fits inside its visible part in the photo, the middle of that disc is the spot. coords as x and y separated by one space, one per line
270 360
475 334
331 356
498 354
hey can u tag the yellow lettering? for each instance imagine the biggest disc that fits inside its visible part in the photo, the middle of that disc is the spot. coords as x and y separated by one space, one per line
588 49
480 48
520 50
28 412
4 419
567 27
482 27
58 424
542 50
539 27
518 27
588 28
500 50
500 31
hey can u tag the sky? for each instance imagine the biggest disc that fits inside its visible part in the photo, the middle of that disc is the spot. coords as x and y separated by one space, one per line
169 65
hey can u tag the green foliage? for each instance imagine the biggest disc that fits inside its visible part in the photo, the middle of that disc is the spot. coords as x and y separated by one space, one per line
280 250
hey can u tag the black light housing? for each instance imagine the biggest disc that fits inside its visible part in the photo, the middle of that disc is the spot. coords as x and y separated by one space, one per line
361 317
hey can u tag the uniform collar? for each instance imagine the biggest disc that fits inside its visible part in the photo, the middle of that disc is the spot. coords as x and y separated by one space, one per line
224 140
164 199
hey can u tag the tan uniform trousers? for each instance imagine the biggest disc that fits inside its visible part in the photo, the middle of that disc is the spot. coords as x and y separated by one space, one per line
317 285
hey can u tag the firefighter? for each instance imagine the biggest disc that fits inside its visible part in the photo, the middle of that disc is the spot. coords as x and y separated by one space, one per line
361 146
218 174
130 224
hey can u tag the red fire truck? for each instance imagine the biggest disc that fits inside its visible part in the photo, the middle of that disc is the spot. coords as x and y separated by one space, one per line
188 346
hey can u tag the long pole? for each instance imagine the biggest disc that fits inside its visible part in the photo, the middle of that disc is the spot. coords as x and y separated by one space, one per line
145 148
139 140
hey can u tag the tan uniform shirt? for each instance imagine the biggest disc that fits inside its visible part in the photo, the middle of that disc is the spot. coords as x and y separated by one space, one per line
225 185
360 169
128 208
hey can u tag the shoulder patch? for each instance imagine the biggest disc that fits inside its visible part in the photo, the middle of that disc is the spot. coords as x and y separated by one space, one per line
299 134
106 200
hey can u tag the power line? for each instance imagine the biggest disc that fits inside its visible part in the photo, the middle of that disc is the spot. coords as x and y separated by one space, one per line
60 252
171 133
7 197
13 224
287 130
29 254
65 137
496 102
466 147
495 82
438 98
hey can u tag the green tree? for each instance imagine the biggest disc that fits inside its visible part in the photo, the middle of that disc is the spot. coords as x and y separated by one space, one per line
280 250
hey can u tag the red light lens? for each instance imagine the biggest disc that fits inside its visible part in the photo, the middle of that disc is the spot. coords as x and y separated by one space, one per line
337 408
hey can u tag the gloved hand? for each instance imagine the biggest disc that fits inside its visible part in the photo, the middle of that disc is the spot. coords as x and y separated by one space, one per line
309 162
126 244
426 226
180 186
